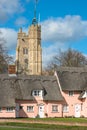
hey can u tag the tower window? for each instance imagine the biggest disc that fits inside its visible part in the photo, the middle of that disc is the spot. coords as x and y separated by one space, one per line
26 63
25 51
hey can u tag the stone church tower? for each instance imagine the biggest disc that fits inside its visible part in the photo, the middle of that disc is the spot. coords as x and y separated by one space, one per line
29 51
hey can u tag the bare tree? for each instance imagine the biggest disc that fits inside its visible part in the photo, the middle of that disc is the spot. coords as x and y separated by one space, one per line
69 58
5 59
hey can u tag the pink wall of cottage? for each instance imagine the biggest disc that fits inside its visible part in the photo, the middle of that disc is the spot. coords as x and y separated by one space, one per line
47 108
5 114
71 101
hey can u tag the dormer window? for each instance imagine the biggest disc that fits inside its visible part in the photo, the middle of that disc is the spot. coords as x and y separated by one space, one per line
37 93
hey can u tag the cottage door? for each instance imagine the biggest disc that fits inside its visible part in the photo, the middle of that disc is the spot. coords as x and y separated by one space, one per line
41 111
17 110
77 110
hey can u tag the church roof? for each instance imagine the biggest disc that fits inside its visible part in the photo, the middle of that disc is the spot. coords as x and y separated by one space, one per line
72 78
21 87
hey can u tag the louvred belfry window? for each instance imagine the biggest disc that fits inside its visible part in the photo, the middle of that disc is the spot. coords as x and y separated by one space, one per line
25 51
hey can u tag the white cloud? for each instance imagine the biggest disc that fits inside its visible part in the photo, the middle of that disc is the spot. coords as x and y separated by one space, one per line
10 36
21 21
70 28
9 7
47 54
58 33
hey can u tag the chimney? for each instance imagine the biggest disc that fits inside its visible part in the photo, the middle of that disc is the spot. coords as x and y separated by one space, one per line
12 70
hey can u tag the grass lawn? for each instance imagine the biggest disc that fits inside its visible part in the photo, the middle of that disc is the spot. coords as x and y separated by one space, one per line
44 126
28 126
67 120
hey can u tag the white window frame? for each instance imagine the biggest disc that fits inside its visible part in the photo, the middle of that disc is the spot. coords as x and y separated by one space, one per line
10 109
65 108
54 108
37 93
30 108
86 93
71 93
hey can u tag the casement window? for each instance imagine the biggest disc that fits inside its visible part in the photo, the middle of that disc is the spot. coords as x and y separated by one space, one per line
65 108
10 109
54 108
25 51
71 93
37 93
30 108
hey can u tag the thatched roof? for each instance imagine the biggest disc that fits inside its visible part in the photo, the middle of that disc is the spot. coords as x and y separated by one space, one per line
72 78
21 87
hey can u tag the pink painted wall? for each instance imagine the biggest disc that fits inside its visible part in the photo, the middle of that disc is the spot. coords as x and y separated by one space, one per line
5 114
84 108
72 101
23 112
47 108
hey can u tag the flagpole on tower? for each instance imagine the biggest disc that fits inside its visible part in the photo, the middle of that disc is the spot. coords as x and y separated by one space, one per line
34 19
35 8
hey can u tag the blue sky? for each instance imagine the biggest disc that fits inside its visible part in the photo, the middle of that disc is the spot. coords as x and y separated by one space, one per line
64 24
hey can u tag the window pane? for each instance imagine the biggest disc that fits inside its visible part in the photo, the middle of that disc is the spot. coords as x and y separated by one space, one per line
37 93
65 108
25 51
54 108
10 109
30 108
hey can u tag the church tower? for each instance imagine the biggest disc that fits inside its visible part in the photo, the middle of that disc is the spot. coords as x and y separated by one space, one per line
29 51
